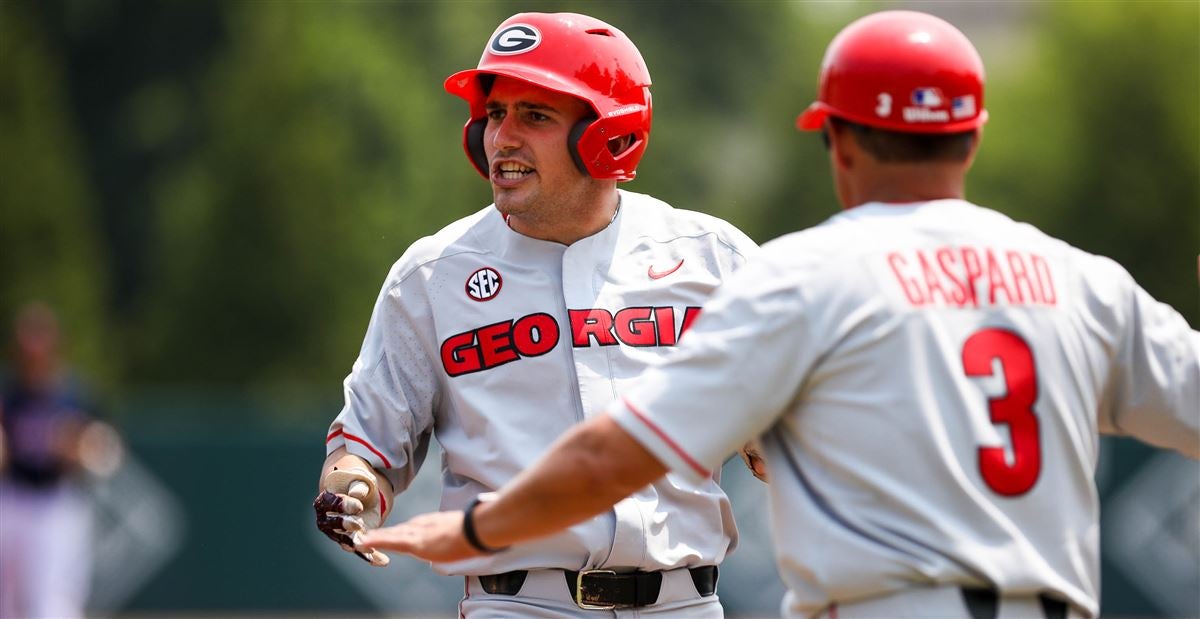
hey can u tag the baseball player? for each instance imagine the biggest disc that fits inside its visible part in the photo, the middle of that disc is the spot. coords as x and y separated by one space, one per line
928 376
47 433
506 328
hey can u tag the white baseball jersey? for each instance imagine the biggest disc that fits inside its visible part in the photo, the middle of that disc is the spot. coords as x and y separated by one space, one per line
497 343
929 381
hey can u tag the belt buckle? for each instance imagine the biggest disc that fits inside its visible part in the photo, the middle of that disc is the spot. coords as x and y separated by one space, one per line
579 591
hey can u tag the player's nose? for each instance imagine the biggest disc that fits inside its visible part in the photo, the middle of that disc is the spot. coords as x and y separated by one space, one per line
505 134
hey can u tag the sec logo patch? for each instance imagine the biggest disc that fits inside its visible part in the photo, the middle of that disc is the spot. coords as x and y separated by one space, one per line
484 284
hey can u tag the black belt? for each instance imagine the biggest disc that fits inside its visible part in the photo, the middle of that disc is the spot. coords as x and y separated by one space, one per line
606 589
985 604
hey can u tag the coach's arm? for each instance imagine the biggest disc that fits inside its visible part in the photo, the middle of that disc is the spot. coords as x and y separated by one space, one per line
586 471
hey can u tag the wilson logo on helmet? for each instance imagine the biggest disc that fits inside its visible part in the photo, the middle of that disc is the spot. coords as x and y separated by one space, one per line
515 39
924 101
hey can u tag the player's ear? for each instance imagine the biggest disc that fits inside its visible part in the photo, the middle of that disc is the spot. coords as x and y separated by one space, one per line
976 138
841 144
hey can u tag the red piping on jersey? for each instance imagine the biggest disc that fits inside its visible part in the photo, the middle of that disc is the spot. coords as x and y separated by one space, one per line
696 466
351 437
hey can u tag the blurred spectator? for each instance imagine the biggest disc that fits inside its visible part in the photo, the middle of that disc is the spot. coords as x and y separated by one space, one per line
49 438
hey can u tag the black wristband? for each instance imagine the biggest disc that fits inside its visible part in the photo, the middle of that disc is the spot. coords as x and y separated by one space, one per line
469 529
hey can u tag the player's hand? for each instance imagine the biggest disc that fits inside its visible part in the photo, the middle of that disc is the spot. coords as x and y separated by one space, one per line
436 537
752 455
99 450
348 506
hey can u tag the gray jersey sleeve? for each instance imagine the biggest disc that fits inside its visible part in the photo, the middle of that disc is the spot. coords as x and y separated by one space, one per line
390 393
1154 387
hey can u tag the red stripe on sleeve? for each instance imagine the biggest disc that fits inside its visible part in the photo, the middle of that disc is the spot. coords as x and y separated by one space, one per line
696 466
351 437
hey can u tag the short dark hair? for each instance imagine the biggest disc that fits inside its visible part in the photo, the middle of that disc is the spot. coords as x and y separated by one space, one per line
897 147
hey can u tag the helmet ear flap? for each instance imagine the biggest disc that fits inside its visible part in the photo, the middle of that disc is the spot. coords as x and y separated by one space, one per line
473 135
573 142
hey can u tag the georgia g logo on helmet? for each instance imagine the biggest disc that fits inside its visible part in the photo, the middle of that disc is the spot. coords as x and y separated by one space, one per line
515 39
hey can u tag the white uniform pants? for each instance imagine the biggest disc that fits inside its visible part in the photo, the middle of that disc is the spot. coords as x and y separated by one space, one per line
545 595
944 602
45 551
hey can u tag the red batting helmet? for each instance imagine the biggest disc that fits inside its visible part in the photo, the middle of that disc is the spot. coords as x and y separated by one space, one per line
575 55
901 71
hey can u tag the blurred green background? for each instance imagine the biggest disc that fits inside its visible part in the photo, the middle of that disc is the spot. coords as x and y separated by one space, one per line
211 193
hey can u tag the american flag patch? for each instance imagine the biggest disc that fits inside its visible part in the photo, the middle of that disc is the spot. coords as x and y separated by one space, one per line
962 107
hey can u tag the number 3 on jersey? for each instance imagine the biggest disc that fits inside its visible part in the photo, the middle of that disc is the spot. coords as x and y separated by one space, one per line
1014 407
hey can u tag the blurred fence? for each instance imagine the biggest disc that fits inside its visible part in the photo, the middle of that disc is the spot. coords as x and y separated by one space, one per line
214 519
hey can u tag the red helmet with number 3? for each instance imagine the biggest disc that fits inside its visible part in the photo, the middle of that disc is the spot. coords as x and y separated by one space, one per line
900 71
575 55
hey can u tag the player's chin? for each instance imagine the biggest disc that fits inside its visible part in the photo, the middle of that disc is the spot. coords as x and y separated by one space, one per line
511 201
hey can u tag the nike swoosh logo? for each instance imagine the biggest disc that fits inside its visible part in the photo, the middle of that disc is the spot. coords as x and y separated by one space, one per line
661 274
